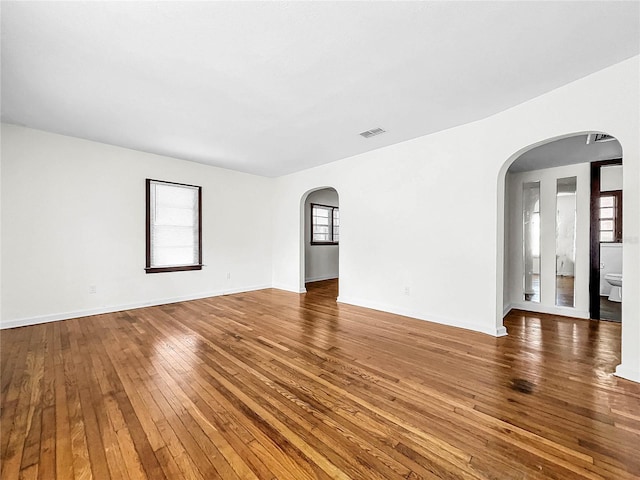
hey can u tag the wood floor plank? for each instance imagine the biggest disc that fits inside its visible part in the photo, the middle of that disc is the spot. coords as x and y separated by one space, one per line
24 432
253 406
89 396
77 431
284 462
64 456
274 385
174 413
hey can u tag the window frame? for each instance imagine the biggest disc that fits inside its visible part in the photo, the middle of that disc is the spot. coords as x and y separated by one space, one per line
331 229
617 216
177 268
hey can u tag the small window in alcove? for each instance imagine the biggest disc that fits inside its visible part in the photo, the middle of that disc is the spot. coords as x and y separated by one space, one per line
325 225
610 218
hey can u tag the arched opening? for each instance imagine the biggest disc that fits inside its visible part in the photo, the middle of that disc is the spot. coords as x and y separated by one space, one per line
550 260
320 241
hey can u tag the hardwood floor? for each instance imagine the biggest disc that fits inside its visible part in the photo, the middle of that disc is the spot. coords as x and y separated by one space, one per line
271 384
609 310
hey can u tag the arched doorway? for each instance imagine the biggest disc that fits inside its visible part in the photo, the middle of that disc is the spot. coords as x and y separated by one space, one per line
561 274
320 240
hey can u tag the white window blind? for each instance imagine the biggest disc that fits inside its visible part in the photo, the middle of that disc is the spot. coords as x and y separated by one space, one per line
174 225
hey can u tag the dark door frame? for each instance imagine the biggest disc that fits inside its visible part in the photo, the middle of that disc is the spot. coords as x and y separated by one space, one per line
594 240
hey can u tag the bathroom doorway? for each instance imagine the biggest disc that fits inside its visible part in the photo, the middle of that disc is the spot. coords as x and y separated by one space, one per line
605 281
321 242
549 221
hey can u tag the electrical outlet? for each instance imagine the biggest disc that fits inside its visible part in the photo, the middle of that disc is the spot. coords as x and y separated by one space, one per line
228 275
92 289
407 291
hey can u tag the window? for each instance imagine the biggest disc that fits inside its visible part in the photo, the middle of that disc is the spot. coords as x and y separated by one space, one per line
174 237
610 218
325 225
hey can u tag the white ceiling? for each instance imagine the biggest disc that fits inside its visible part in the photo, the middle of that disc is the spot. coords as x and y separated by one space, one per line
566 151
276 87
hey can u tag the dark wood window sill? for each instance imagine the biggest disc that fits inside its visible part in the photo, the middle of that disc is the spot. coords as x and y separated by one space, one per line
173 269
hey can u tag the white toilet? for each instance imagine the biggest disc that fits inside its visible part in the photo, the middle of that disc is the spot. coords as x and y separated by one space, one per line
615 280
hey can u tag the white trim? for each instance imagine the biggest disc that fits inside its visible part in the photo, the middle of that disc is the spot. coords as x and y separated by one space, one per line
501 331
287 288
627 373
562 311
23 322
495 332
506 310
331 276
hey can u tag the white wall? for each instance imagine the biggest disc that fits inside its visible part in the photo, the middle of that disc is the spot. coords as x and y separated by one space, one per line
73 215
321 261
548 188
441 199
1 209
610 262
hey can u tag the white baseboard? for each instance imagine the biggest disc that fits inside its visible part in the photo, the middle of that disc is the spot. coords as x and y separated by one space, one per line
506 310
493 331
321 278
23 322
561 311
627 373
288 288
501 331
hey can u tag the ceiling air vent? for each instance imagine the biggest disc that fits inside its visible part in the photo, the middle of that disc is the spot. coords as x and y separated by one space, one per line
372 133
603 137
